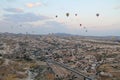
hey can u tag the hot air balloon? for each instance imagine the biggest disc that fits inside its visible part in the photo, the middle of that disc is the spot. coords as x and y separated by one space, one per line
80 24
97 14
75 14
56 16
67 14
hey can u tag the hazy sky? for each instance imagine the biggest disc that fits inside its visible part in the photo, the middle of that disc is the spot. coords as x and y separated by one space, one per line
38 16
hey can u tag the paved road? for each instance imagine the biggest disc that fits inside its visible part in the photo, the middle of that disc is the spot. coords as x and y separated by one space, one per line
68 68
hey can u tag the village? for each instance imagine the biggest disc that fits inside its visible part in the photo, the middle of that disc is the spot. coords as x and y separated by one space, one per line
53 57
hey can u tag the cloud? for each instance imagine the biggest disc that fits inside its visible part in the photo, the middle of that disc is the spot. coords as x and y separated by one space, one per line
16 10
25 17
10 1
6 26
31 5
50 27
55 27
117 7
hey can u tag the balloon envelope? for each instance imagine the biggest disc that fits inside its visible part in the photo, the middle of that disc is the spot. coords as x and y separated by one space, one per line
80 24
75 14
67 14
56 16
97 14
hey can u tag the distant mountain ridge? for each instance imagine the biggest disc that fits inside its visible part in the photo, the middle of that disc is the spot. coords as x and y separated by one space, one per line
102 37
67 35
